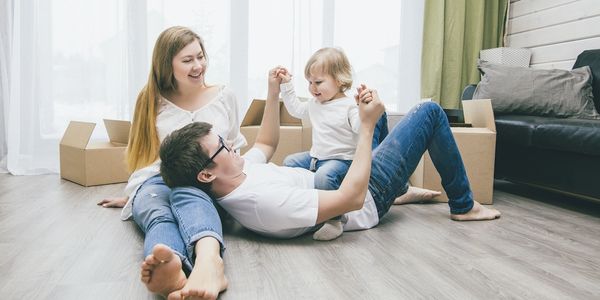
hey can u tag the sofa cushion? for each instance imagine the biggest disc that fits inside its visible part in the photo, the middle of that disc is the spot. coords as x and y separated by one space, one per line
573 135
551 93
516 129
591 58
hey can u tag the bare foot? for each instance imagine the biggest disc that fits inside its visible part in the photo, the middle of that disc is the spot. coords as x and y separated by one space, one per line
161 271
206 281
477 213
415 194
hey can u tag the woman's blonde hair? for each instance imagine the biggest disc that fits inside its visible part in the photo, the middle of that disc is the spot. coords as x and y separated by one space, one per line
143 140
331 61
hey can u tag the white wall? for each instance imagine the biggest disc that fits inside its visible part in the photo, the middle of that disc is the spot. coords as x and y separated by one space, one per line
556 31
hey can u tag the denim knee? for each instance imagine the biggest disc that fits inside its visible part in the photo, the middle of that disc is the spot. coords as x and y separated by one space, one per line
288 161
330 173
297 160
197 216
431 106
327 181
151 206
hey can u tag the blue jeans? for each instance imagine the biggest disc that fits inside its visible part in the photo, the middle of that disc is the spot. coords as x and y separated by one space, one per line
164 217
425 127
329 173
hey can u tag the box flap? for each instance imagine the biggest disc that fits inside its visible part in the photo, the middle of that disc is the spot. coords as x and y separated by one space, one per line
254 113
118 130
479 113
285 119
78 134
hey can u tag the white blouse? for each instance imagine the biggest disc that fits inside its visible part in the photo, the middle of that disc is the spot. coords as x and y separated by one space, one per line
221 112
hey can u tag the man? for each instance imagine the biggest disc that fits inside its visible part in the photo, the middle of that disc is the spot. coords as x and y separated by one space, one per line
282 202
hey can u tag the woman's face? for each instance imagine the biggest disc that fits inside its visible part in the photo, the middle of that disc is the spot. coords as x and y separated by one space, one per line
189 66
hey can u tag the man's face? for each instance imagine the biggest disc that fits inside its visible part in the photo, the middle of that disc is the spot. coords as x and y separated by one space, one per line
228 164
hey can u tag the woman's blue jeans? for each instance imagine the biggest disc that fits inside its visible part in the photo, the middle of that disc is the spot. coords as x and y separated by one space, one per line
425 127
177 218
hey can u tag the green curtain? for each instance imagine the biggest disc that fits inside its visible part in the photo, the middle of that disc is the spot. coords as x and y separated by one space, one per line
453 33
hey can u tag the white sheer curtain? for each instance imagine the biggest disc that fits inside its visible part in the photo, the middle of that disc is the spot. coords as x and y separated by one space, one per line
382 40
65 60
5 34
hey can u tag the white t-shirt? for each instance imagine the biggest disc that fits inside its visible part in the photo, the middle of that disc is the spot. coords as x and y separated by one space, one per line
221 112
282 202
335 123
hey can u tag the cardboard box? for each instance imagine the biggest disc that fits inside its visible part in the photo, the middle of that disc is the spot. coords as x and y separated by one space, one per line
519 57
295 135
97 162
477 146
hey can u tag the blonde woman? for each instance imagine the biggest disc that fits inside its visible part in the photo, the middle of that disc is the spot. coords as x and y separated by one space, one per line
185 234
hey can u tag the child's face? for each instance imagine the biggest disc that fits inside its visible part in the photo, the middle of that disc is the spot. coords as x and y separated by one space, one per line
323 86
189 65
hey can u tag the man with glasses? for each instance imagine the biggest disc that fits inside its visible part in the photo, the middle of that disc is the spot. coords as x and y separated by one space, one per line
282 202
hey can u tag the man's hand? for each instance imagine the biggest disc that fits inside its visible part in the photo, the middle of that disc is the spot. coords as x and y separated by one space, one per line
370 107
113 202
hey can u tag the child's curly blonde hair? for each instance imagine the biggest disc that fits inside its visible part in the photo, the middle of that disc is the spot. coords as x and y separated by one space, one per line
332 61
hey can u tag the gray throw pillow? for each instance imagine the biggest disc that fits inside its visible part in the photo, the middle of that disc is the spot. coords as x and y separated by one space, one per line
538 92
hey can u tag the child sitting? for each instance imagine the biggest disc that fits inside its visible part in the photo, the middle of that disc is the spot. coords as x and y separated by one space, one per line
335 127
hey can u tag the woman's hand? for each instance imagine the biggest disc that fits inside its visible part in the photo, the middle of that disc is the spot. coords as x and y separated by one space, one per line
113 202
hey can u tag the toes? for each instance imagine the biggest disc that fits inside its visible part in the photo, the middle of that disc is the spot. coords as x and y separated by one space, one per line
176 295
150 261
185 293
162 253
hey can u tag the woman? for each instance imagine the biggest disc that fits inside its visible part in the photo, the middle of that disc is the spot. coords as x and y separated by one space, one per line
176 95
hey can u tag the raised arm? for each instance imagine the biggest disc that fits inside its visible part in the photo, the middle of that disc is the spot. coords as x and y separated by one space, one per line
295 107
268 134
351 194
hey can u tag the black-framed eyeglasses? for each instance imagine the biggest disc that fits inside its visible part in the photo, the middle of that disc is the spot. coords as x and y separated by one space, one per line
222 146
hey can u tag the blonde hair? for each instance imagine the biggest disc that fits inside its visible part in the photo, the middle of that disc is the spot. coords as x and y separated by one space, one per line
331 61
143 140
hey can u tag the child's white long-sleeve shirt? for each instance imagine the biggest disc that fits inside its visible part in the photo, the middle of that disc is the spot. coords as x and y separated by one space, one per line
335 123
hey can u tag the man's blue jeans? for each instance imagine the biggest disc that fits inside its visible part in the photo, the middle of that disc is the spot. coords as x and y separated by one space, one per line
177 218
425 127
329 173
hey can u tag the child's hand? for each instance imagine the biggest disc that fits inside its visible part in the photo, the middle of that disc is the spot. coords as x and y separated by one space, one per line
284 75
370 107
359 90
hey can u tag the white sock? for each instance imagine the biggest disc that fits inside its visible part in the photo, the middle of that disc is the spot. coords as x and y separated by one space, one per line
330 230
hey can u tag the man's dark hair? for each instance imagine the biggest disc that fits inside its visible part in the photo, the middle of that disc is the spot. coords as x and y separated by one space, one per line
183 157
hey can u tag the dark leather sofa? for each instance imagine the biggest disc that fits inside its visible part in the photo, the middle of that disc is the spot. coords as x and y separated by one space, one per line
560 154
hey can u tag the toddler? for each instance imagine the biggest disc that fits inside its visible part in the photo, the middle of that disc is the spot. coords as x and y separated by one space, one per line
335 124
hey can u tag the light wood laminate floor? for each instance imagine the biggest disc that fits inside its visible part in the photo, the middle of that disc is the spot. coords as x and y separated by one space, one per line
56 243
